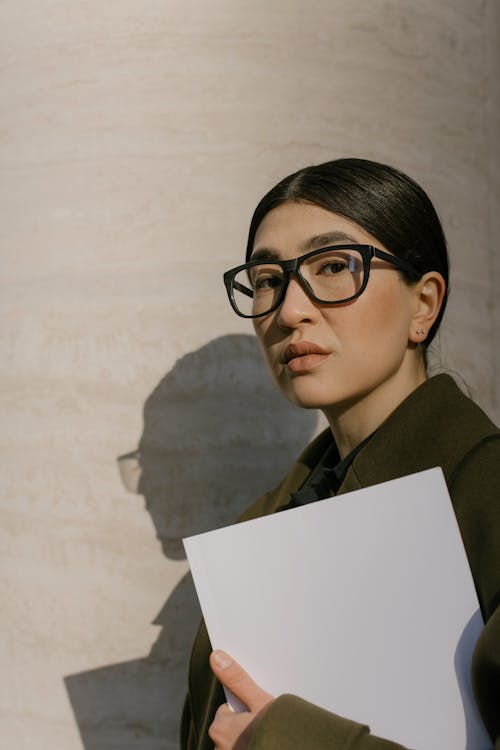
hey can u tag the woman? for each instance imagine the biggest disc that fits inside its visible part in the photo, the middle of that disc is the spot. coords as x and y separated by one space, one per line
346 280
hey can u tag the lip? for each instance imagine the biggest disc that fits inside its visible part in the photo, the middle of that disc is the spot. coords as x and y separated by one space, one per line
303 356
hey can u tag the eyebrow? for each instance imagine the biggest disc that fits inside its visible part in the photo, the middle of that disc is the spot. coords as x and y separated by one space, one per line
313 243
329 238
265 253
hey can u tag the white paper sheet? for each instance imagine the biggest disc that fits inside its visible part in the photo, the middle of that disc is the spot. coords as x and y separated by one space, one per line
363 604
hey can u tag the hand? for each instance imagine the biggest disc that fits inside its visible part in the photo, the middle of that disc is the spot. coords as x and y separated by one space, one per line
230 730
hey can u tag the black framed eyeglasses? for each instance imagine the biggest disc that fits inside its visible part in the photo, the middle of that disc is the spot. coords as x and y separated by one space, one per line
331 275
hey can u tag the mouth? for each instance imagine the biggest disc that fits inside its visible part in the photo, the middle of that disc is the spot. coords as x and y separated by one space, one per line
303 356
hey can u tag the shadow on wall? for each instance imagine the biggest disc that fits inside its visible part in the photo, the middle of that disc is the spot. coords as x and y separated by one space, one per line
216 436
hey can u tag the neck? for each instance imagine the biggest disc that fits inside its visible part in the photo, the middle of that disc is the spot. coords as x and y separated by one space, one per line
355 420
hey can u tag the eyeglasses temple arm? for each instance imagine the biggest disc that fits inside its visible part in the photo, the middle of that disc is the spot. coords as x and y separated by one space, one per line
243 289
404 265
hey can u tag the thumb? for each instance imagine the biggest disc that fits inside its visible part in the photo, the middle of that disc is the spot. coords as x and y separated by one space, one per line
234 677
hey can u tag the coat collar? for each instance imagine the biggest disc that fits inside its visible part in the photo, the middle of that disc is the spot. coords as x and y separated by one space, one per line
436 425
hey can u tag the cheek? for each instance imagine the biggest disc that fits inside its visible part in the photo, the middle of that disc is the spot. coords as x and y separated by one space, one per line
375 325
270 346
267 335
384 322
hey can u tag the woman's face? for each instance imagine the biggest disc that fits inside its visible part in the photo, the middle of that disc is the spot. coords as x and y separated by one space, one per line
347 353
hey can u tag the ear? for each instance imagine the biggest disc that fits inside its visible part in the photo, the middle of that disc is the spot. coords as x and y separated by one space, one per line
428 293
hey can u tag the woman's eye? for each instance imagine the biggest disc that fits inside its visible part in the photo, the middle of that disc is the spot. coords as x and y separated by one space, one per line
334 267
271 281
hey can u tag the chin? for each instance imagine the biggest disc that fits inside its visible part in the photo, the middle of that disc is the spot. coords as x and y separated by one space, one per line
320 393
306 395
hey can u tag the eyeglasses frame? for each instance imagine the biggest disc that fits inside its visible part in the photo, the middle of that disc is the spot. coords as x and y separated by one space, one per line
367 252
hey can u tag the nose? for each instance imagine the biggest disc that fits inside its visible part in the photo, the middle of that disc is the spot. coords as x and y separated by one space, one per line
297 307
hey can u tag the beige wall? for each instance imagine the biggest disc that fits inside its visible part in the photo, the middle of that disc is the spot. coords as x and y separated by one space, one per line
136 139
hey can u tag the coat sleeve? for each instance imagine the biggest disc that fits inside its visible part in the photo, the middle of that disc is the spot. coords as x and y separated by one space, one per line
291 722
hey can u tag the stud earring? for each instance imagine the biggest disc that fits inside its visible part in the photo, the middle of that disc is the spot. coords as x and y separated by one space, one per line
420 331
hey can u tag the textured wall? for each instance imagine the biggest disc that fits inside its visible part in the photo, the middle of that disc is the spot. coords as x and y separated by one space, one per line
136 138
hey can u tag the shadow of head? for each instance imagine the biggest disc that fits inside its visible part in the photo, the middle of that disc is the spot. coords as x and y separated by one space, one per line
216 435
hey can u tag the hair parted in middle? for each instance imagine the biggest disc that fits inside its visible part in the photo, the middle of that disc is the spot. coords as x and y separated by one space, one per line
380 199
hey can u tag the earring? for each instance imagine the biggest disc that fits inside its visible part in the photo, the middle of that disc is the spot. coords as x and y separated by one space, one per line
420 331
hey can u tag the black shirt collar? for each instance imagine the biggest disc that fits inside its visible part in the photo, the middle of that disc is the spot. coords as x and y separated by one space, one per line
327 476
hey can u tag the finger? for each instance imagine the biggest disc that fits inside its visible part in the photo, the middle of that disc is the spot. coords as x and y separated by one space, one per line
234 677
218 728
223 711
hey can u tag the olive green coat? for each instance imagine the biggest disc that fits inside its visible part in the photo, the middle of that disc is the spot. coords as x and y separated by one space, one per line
435 426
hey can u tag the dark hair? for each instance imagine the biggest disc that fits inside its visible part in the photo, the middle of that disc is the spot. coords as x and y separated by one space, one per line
385 202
